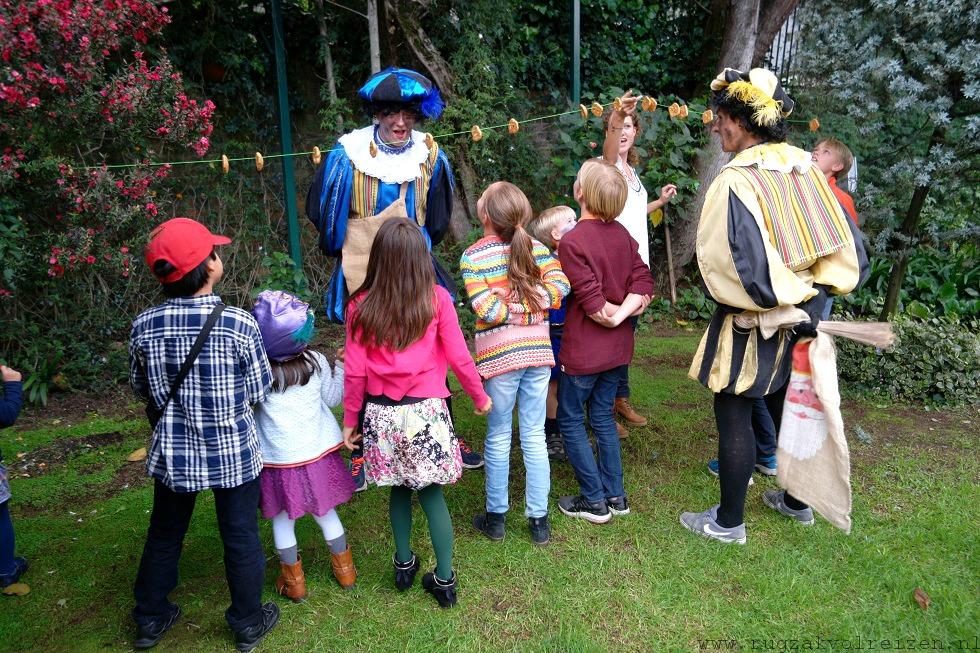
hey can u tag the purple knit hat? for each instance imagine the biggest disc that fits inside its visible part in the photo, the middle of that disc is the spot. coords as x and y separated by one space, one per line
286 323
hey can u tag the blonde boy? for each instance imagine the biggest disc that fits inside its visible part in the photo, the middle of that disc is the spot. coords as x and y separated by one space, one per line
834 160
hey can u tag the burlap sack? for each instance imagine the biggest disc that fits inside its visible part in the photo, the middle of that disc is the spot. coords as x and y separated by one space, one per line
812 459
360 236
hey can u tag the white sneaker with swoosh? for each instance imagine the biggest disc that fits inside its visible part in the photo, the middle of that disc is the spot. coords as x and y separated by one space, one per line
706 524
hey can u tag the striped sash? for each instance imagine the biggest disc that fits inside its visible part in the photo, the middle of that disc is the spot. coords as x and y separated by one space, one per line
802 216
364 198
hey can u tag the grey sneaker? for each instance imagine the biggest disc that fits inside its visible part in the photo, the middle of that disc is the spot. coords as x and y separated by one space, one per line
776 499
706 524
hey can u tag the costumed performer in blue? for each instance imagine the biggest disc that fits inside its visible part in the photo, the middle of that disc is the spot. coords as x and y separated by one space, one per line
385 170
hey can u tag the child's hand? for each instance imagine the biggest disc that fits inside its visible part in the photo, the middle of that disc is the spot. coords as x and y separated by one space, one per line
486 409
340 354
668 192
10 374
350 437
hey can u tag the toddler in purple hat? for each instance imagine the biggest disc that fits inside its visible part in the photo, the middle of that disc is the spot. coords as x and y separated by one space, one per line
303 472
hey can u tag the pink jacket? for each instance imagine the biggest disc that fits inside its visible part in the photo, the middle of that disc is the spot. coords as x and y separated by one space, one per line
418 371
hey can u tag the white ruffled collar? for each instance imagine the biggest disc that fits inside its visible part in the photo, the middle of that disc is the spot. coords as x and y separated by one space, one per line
389 168
780 157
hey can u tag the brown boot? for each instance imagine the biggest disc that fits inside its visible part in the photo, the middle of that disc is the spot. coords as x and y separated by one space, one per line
343 568
291 582
626 411
621 431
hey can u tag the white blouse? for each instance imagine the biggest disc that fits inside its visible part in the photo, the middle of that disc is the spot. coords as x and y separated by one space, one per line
634 215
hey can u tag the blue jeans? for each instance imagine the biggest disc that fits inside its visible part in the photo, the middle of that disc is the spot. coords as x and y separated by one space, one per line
238 524
602 480
528 388
764 428
623 388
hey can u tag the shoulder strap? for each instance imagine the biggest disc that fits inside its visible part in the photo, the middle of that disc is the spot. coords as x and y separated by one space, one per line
196 348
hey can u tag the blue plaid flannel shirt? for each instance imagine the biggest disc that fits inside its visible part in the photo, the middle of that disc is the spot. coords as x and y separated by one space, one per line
206 437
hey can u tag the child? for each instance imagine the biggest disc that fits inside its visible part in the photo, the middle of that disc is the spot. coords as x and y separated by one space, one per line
511 281
402 331
549 227
609 283
11 566
303 472
205 438
834 159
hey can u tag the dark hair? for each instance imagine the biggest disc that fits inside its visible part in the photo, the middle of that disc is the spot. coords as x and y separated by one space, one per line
188 284
374 108
742 113
397 295
295 371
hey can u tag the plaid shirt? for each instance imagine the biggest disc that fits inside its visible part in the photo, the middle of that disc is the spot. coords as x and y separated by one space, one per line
206 437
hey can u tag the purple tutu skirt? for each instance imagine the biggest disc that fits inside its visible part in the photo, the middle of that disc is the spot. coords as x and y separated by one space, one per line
312 489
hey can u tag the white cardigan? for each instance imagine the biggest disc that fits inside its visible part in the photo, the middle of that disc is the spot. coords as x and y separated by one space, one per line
296 426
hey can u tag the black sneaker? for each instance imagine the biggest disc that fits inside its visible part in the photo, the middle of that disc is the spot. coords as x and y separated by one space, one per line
595 512
556 447
471 459
357 473
149 635
246 640
540 530
618 505
490 524
405 572
443 590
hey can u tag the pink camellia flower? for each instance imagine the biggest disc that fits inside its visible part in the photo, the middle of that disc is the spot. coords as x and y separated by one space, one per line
90 259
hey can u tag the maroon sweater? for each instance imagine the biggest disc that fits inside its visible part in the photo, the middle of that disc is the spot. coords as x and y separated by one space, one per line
603 264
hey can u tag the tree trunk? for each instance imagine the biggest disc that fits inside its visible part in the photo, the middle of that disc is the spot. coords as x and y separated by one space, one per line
736 52
909 229
372 16
321 18
464 204
772 21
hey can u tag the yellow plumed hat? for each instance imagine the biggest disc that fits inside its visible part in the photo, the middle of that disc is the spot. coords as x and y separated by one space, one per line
760 89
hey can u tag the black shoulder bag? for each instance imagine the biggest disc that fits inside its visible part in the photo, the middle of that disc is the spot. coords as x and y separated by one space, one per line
153 414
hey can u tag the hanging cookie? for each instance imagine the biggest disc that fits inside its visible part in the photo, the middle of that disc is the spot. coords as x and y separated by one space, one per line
584 110
476 133
648 103
596 109
814 124
674 110
316 155
683 112
430 141
617 104
513 126
707 116
225 165
372 149
259 161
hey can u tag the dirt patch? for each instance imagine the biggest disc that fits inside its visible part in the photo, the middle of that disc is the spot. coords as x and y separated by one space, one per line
128 476
671 361
70 408
40 461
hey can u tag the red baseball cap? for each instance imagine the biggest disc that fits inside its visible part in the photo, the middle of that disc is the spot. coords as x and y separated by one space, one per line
182 242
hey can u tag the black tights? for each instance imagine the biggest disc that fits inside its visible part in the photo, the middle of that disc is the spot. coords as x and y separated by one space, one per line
736 452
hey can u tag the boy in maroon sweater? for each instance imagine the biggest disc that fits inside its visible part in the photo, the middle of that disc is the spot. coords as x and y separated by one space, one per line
610 283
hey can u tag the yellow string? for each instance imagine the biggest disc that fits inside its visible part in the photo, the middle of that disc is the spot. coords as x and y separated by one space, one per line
282 155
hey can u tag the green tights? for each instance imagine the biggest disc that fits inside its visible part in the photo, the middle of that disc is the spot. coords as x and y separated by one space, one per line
440 525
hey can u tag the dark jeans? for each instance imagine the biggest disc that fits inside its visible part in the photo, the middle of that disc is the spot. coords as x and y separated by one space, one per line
6 540
764 429
623 387
602 480
237 510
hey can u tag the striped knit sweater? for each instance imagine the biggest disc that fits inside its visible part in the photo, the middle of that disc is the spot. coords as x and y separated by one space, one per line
509 335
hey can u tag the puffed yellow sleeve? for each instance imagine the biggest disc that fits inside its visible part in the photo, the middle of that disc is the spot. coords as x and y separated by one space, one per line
739 264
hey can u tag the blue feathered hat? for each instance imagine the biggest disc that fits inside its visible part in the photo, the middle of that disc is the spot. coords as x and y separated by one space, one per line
401 86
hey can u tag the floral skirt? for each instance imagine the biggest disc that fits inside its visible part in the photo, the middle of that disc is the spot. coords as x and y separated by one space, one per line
412 445
311 489
4 484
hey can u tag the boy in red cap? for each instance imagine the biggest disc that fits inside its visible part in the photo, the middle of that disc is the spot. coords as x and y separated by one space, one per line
204 435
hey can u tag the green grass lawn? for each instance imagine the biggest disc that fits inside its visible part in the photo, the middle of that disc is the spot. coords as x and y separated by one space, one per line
640 583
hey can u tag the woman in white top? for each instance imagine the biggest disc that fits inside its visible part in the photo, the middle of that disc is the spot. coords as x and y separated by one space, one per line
622 128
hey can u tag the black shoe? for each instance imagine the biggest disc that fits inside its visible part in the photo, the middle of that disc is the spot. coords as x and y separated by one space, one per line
618 505
20 566
471 459
556 447
490 524
405 572
595 512
540 530
246 640
443 590
149 635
